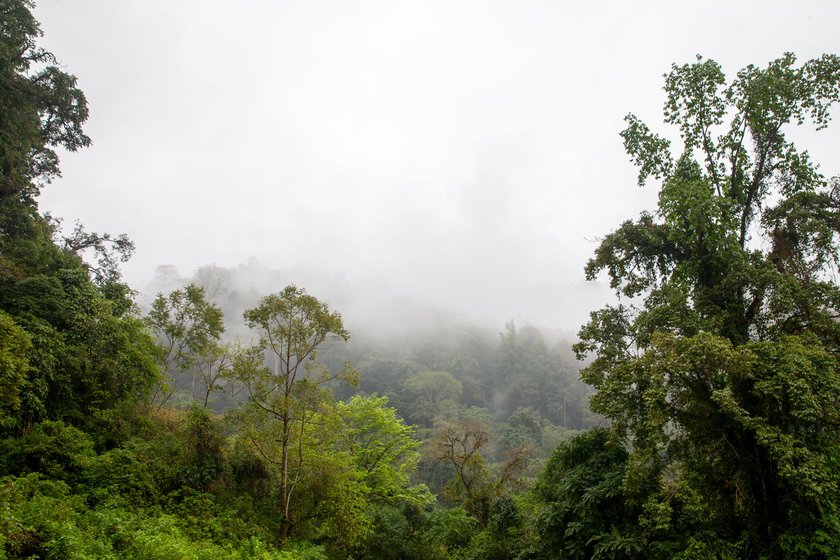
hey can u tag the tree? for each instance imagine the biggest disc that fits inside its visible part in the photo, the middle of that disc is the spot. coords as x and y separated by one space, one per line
355 476
40 106
584 513
220 365
293 325
84 356
88 353
725 376
108 251
523 428
527 373
215 280
14 362
432 394
474 484
188 328
382 447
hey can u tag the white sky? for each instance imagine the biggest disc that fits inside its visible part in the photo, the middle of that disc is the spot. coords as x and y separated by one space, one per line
461 153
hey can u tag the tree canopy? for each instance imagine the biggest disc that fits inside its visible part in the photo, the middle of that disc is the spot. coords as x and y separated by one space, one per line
718 370
292 326
722 368
40 106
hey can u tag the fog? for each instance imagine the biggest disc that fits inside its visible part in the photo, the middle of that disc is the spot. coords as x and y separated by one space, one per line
454 157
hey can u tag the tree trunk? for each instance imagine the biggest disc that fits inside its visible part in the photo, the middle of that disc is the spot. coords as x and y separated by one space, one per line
284 480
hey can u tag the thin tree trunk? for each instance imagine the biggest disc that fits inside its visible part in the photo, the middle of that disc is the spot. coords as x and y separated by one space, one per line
284 480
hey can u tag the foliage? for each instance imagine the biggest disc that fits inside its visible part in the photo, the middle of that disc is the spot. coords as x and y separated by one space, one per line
52 448
450 528
44 519
14 362
188 328
108 250
349 460
475 485
498 373
41 106
726 378
434 395
292 326
202 461
87 351
585 509
382 448
83 358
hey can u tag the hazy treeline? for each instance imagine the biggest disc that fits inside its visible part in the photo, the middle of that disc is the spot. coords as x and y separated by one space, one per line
523 392
500 368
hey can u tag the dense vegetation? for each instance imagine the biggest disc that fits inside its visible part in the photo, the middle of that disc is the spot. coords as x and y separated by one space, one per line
221 423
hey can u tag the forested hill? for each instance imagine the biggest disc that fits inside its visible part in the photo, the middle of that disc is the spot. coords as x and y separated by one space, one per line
217 424
500 368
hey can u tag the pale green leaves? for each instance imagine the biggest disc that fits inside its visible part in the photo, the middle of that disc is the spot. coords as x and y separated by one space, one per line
185 323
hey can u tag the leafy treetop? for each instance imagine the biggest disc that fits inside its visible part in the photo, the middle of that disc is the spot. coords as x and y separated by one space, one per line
40 106
724 371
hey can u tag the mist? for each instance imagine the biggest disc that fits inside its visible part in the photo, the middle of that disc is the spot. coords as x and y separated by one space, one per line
370 309
401 161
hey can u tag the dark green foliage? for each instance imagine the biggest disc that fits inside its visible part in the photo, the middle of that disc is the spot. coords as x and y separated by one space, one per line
450 529
201 461
52 448
83 358
87 353
26 245
725 378
586 513
15 345
390 537
249 472
502 538
40 106
119 476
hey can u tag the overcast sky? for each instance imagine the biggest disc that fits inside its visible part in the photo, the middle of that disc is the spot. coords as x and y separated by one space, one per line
461 153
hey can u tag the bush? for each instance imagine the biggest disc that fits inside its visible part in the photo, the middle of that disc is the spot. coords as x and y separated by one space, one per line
53 448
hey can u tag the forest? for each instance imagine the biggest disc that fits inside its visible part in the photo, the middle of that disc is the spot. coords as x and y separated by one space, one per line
696 417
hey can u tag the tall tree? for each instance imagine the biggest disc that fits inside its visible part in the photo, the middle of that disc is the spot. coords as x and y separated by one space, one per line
87 351
188 328
723 368
40 106
475 485
293 325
